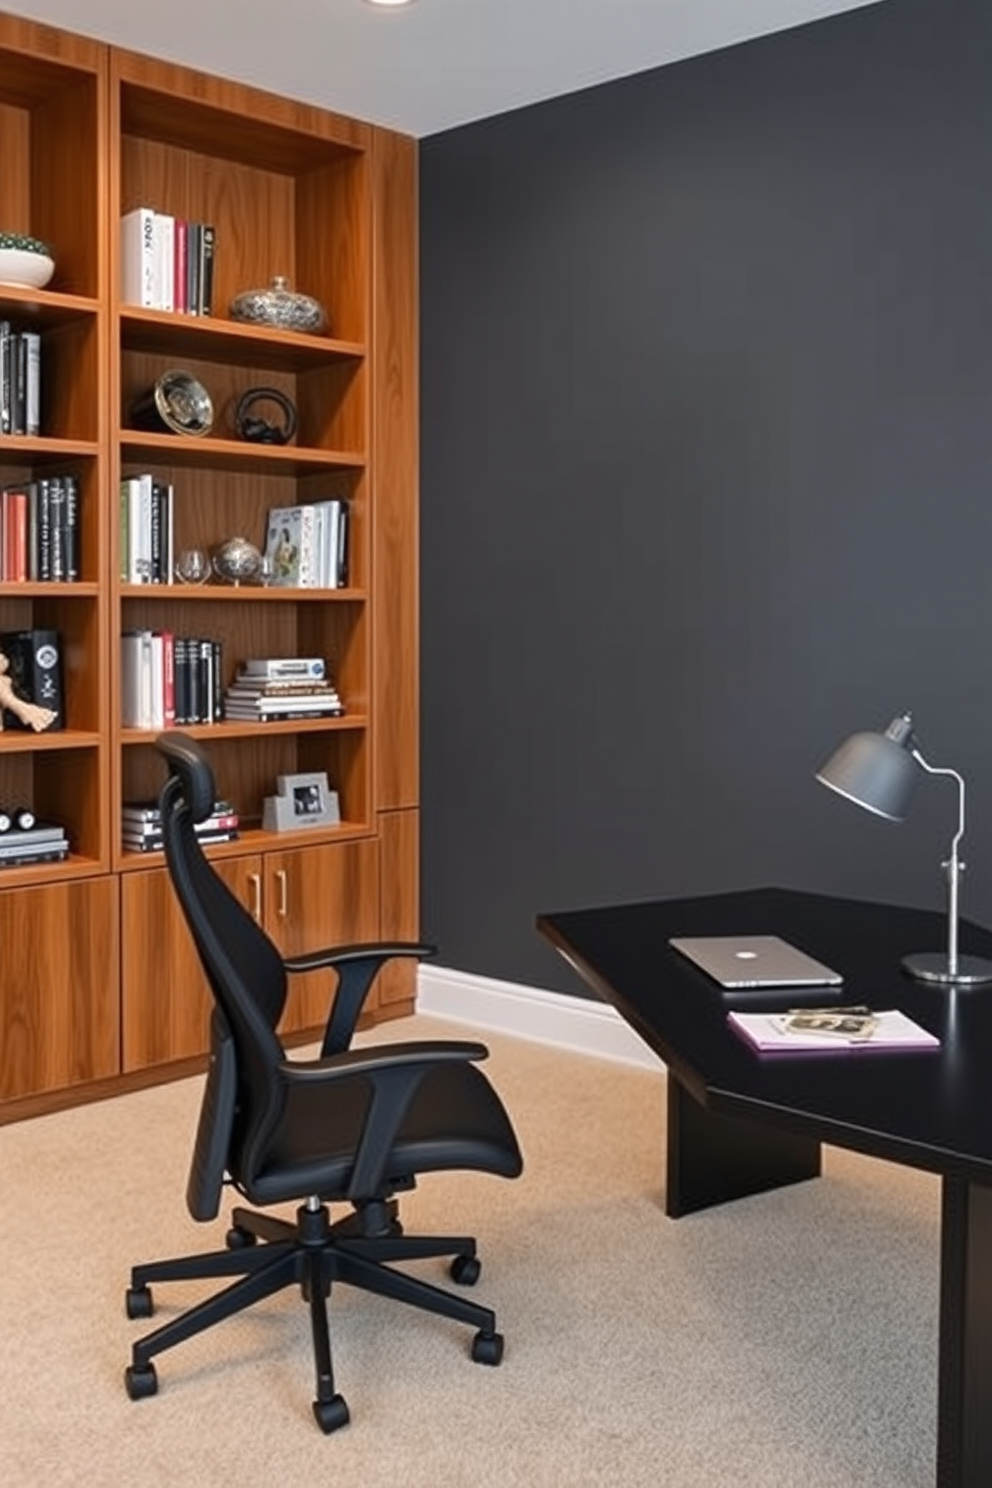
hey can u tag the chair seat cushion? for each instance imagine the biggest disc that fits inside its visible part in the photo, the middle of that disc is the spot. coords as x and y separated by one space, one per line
313 1148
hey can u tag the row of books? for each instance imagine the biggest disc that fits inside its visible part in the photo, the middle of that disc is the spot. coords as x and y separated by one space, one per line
147 543
307 545
141 825
20 380
44 842
168 680
39 531
167 263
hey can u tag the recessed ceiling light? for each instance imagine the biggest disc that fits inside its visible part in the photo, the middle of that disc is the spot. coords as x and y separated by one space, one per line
389 2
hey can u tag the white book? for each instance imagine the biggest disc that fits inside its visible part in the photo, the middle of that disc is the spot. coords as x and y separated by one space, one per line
330 542
32 387
165 261
138 278
132 689
156 681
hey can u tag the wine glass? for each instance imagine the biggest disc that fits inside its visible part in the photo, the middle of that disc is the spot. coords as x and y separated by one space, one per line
192 566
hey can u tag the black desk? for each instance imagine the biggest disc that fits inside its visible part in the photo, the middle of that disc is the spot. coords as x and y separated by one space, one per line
741 1124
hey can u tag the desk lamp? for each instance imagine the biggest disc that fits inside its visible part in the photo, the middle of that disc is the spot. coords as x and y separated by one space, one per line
879 772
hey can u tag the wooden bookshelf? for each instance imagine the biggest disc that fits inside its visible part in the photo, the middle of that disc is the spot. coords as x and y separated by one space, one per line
88 133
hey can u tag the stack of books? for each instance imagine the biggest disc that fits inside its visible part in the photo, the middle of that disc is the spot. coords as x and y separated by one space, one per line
141 825
44 842
268 689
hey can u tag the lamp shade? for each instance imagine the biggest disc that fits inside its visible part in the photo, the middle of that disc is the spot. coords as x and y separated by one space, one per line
876 771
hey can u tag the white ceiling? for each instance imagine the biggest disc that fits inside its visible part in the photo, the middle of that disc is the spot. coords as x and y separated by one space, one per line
434 64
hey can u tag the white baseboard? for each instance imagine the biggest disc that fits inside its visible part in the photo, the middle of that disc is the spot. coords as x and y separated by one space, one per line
581 1025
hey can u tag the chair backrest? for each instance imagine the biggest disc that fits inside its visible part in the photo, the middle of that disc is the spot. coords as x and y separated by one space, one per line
243 967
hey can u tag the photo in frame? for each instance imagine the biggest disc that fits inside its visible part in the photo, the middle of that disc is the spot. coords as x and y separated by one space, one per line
301 801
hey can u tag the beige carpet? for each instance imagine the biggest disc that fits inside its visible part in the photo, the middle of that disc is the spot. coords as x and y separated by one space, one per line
787 1341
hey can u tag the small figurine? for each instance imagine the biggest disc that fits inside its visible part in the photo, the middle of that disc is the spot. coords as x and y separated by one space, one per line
32 715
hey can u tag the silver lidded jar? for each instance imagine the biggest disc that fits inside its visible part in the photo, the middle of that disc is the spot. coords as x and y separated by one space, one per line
279 306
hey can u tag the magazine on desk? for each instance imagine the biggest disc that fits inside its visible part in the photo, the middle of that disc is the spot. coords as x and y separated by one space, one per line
831 1031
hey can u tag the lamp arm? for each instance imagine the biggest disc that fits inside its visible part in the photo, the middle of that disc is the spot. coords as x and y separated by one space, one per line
954 866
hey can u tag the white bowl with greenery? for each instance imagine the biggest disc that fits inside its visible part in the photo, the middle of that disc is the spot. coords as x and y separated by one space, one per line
25 262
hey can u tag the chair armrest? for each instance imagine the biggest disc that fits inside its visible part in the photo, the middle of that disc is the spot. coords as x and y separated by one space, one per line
346 955
381 1057
357 967
394 1071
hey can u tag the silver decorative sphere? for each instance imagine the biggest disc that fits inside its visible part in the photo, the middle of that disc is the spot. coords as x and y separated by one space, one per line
237 561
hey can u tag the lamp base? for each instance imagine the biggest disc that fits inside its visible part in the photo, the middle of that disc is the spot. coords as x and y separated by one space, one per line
932 966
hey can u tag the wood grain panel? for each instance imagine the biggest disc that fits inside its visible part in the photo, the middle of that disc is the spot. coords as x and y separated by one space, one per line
59 1017
395 457
166 999
399 899
329 896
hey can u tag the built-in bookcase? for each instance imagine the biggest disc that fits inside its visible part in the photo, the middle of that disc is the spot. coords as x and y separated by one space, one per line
88 133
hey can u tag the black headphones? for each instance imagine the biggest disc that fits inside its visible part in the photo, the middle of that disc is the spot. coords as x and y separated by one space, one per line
259 430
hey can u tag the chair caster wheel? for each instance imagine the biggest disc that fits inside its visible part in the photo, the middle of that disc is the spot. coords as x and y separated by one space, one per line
332 1414
138 1302
238 1238
465 1270
140 1380
487 1348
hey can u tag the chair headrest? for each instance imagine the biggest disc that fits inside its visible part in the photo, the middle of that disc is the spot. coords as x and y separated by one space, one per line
187 760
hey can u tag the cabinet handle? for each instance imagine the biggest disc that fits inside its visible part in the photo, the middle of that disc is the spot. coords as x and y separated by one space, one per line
283 893
255 879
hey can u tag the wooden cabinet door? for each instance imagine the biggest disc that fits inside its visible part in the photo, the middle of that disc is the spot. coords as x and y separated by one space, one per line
59 1007
165 997
315 897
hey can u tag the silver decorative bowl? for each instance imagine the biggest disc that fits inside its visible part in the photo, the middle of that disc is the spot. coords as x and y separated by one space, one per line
279 306
237 561
177 404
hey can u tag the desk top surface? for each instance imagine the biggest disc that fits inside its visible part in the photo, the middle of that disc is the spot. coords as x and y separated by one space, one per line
929 1109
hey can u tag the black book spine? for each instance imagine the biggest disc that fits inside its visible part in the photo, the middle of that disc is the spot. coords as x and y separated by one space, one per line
44 530
70 539
56 527
207 242
19 385
194 690
35 669
218 674
180 652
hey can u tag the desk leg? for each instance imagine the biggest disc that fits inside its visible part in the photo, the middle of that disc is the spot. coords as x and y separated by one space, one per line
714 1158
964 1397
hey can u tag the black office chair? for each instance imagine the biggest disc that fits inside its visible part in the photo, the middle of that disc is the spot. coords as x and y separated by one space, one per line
354 1126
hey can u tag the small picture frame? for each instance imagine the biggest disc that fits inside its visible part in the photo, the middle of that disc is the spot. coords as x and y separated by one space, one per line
300 802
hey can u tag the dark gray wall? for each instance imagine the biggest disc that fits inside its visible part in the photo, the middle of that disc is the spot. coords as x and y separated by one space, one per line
707 478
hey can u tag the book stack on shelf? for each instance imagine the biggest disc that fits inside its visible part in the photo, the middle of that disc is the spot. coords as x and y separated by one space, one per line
268 689
168 679
167 263
24 841
39 531
147 554
141 825
307 546
20 380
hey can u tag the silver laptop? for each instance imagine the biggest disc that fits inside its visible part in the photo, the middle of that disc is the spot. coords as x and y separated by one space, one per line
755 961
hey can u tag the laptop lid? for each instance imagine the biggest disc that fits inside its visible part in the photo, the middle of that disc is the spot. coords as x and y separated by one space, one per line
755 961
